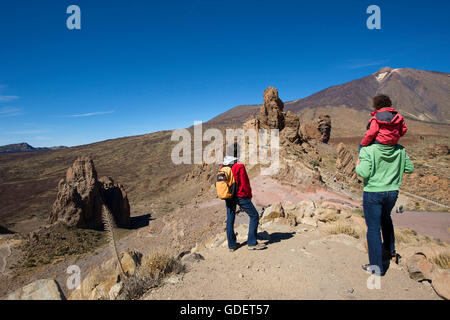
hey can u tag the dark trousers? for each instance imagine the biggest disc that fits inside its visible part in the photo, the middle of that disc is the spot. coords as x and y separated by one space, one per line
377 213
247 205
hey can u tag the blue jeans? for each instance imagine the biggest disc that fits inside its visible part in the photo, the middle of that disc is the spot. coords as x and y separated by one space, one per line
377 213
247 205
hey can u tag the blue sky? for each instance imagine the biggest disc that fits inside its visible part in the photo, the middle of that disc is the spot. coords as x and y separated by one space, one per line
141 66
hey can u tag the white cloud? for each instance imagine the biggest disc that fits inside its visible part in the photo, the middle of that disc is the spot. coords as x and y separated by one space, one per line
27 132
358 64
90 114
10 111
8 98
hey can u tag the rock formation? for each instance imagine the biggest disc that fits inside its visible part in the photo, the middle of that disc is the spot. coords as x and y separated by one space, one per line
324 127
319 130
271 114
81 196
291 128
43 289
345 164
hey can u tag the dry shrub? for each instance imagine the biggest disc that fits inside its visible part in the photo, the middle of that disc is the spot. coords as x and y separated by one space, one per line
345 228
442 260
161 263
329 217
150 274
406 236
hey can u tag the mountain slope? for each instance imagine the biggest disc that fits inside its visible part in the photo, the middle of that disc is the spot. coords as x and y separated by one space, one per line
423 97
23 147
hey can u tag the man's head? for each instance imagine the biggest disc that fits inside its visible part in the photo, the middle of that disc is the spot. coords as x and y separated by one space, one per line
381 101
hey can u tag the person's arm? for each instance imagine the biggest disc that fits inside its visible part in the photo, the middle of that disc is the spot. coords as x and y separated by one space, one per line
409 166
364 166
371 133
245 180
403 128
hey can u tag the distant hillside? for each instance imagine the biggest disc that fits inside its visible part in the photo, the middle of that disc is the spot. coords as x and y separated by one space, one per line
24 147
423 97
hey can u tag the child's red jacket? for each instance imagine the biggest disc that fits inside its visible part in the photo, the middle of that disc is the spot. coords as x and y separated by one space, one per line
386 126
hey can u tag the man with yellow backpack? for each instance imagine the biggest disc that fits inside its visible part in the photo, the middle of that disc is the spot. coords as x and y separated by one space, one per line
233 186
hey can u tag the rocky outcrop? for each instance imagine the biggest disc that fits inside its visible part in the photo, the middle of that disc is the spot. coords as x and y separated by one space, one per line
324 127
317 130
116 198
251 124
106 280
291 128
271 114
81 196
345 164
44 289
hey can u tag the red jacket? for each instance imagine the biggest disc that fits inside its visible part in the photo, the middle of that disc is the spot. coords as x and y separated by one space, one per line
386 126
243 183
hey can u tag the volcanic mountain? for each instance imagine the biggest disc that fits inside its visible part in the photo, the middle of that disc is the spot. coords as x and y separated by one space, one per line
421 96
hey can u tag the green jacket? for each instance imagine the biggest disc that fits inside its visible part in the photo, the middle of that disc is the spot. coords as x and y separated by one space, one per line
382 167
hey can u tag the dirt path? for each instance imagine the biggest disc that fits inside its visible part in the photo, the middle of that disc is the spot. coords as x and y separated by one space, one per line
434 224
298 264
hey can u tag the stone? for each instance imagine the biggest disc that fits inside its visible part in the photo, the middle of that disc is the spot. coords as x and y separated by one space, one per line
114 291
309 221
81 197
43 289
441 284
273 211
102 281
192 257
419 268
271 113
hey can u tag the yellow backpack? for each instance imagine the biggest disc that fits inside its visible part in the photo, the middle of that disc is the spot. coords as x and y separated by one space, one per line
225 183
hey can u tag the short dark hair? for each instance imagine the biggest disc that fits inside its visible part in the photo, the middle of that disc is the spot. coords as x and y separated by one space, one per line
381 101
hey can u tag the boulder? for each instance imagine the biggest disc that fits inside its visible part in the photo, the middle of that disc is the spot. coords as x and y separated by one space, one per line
419 268
310 221
271 113
441 284
104 281
274 211
43 289
81 196
307 207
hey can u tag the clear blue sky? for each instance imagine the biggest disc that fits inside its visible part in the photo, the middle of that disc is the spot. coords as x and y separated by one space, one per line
142 66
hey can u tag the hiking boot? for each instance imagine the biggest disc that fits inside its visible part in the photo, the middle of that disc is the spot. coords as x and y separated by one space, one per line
259 246
370 269
234 248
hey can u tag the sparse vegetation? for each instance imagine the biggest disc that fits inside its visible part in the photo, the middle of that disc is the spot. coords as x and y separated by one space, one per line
150 274
57 242
345 228
442 260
